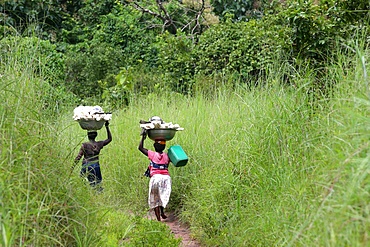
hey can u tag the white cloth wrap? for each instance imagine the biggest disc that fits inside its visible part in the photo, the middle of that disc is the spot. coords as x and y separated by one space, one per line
159 190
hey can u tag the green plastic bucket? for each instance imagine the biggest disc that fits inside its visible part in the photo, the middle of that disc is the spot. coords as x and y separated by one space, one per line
177 155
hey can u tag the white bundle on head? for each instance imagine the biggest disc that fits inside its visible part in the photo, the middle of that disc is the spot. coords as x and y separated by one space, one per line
157 123
90 113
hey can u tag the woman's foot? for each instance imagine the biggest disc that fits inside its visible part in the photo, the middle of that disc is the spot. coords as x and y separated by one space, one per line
162 213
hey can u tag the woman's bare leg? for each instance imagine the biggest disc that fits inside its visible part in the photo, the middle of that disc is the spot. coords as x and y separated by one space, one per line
157 213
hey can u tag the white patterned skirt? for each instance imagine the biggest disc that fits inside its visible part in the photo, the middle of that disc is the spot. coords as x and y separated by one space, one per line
159 190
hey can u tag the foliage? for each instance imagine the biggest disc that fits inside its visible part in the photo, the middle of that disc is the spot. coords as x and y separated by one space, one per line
240 10
97 40
131 82
266 167
173 16
240 51
125 29
40 58
95 62
48 61
83 25
316 27
44 17
246 48
312 31
33 205
117 96
351 12
118 41
41 204
177 63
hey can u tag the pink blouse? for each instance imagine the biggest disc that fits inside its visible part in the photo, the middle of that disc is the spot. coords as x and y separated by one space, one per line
160 159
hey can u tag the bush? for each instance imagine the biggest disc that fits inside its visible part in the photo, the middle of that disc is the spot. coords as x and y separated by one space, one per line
246 48
176 63
316 27
86 65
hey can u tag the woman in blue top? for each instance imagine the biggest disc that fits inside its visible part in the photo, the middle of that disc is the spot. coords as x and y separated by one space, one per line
90 151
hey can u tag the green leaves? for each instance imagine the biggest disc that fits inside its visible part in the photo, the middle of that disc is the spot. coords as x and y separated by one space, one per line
316 27
237 10
239 47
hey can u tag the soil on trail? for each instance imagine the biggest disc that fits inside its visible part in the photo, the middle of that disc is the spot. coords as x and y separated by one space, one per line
178 229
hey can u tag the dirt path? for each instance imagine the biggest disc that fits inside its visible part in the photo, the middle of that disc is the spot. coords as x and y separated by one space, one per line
179 230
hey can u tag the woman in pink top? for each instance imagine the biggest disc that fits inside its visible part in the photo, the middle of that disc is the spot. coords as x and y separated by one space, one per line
160 180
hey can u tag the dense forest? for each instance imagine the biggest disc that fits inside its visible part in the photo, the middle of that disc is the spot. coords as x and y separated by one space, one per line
273 97
106 49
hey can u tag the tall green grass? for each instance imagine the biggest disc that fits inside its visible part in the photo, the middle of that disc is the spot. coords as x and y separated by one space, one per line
268 166
42 202
26 196
35 207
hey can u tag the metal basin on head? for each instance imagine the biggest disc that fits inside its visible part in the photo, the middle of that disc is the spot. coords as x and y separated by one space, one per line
161 134
91 124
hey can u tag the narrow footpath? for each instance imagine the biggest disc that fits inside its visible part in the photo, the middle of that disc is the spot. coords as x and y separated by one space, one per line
179 230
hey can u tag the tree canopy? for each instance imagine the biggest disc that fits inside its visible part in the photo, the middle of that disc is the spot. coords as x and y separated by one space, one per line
180 40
